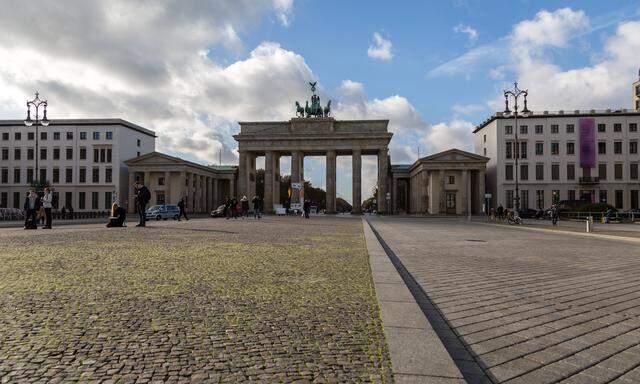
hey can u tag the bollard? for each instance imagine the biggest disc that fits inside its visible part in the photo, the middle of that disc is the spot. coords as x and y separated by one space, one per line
589 224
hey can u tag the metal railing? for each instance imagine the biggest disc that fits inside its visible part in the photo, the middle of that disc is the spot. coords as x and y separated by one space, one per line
597 216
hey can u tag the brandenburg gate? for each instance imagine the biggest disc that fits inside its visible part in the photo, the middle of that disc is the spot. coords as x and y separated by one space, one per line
313 133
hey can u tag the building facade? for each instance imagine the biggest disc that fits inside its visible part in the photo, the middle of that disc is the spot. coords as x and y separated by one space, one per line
449 182
635 96
565 155
82 159
169 179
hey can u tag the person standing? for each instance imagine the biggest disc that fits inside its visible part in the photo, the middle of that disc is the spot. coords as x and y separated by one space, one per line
142 199
306 207
31 206
500 212
245 207
182 208
256 207
47 204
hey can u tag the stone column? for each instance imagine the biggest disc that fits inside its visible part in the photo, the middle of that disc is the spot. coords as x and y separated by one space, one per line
276 179
147 182
214 193
394 196
295 176
269 176
251 175
232 186
132 197
331 181
356 175
243 177
189 194
210 195
441 194
382 180
465 195
481 190
167 187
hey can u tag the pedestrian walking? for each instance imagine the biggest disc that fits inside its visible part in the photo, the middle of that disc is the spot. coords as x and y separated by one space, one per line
257 207
554 214
244 202
228 208
47 204
31 206
183 210
63 213
142 199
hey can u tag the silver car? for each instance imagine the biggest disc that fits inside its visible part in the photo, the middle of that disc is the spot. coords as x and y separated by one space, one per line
163 212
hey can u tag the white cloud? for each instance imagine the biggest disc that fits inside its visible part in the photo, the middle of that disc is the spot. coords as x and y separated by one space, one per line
456 133
284 11
467 109
147 62
604 84
381 48
472 34
469 62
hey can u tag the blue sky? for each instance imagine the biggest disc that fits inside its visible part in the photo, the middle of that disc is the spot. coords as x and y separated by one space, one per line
192 70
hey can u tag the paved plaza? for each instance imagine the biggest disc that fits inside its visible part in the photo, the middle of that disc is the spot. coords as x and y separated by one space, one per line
209 300
525 306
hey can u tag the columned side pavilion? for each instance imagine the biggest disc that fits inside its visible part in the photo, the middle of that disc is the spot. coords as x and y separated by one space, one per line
170 179
311 136
449 182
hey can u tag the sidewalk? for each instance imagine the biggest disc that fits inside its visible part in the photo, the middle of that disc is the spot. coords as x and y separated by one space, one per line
131 219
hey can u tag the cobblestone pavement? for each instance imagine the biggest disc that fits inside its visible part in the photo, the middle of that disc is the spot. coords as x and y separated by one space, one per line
212 300
530 307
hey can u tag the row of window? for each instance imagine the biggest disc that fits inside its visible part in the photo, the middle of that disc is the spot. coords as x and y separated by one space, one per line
569 128
44 135
55 175
511 151
100 155
68 203
603 197
571 172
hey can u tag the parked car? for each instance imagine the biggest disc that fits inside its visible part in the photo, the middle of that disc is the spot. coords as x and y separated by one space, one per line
218 212
163 212
527 213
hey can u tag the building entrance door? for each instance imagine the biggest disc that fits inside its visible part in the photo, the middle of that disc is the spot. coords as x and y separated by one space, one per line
451 203
586 195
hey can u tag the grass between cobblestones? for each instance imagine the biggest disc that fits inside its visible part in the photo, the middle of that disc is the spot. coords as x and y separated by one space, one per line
277 300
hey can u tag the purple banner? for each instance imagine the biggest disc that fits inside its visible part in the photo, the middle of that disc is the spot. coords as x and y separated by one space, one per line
587 142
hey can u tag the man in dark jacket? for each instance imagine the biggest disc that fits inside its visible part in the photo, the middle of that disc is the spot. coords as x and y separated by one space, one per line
31 206
183 211
142 199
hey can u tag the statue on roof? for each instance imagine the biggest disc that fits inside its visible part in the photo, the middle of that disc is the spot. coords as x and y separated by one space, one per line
315 109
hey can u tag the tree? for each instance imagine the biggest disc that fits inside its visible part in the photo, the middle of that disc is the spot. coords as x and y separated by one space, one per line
371 203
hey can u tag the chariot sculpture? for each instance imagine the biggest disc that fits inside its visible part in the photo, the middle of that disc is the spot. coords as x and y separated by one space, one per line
315 109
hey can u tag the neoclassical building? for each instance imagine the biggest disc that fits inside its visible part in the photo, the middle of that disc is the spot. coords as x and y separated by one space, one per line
449 182
170 178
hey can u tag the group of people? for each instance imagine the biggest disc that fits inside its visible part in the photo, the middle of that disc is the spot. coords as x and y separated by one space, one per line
234 209
37 208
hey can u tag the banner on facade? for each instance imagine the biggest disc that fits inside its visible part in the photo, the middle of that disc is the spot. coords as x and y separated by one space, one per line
587 142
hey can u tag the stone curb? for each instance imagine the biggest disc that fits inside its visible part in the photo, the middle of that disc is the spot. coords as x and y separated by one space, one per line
560 231
417 353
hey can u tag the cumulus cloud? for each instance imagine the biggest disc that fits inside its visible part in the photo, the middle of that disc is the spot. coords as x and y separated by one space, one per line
603 84
147 62
472 34
381 48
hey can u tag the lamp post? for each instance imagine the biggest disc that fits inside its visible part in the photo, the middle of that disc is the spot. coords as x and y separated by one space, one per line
36 103
515 94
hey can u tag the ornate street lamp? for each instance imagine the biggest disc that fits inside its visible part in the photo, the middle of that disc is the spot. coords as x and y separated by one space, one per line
36 104
515 94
